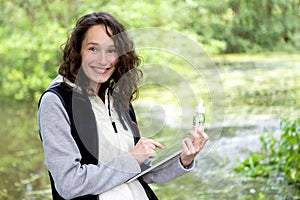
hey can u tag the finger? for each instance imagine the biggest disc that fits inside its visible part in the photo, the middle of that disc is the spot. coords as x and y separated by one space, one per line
190 146
151 154
204 137
193 132
155 143
151 146
144 145
203 142
147 142
184 146
197 144
200 130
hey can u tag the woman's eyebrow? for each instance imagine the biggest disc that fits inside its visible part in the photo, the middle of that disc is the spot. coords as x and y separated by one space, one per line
92 43
97 44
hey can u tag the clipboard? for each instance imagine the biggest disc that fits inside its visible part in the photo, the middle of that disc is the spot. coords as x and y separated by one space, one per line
163 157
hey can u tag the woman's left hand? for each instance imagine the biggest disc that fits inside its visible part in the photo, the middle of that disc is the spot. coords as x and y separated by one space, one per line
191 147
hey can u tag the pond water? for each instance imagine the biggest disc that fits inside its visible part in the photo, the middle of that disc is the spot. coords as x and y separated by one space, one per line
256 98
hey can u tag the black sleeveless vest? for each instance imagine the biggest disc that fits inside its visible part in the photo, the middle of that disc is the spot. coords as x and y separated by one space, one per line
87 124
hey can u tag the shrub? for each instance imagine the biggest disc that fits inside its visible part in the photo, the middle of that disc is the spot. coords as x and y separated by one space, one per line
279 157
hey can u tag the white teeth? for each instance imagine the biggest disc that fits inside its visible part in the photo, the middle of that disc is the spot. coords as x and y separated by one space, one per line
100 70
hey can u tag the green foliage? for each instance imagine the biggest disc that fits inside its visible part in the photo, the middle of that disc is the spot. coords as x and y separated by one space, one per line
31 32
263 25
28 61
279 157
29 51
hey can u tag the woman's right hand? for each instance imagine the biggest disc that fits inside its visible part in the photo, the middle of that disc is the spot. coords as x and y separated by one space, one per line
144 149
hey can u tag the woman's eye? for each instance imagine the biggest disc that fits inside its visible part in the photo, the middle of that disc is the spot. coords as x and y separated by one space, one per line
93 49
111 51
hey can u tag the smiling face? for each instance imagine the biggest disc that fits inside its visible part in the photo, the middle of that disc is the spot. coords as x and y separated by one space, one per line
99 56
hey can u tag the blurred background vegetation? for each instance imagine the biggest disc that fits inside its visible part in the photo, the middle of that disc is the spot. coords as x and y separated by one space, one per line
255 44
32 31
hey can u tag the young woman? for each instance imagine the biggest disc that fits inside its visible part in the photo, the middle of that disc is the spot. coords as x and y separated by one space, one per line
87 124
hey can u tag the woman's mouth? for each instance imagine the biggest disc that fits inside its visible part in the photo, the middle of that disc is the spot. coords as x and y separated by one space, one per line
100 70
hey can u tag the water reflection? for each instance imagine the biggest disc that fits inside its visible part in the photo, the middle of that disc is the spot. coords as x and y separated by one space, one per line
22 171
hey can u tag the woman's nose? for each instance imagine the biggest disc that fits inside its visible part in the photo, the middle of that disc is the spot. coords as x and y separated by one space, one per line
102 58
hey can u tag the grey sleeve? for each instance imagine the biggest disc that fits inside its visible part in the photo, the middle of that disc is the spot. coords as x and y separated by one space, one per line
168 172
63 157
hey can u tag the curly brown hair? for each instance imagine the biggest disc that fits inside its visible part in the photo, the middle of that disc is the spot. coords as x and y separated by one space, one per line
128 61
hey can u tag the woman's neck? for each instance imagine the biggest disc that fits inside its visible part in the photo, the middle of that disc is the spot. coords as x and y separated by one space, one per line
95 87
